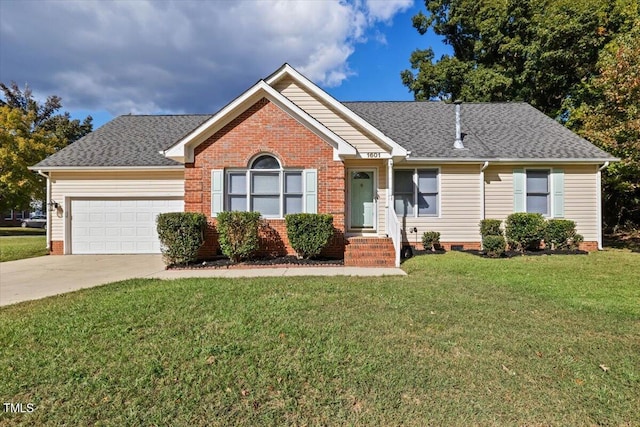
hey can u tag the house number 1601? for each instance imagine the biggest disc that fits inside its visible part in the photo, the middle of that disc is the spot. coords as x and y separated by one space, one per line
373 155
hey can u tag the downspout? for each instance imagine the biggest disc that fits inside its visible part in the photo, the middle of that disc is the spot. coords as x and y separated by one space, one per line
482 203
47 207
599 202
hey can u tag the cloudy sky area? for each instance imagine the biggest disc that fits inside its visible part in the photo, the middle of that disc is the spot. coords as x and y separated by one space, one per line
107 58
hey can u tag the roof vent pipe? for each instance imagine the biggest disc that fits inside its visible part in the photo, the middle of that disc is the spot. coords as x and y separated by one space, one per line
458 142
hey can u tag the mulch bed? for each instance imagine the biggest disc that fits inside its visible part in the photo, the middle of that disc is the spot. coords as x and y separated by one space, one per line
282 261
508 254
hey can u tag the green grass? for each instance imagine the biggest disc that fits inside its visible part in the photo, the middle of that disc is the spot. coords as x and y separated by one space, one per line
19 231
19 247
460 341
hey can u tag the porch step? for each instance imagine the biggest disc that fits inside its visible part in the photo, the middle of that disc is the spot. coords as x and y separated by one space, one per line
369 252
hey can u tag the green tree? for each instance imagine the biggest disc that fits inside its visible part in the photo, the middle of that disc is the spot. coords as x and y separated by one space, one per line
29 132
46 115
21 146
610 117
538 51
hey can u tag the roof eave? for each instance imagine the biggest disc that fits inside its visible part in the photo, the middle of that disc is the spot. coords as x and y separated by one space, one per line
512 160
103 168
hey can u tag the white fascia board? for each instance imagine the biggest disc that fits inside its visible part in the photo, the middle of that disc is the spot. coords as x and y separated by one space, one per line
287 70
183 149
505 161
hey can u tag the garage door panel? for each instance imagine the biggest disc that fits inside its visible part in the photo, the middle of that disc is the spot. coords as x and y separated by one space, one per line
117 226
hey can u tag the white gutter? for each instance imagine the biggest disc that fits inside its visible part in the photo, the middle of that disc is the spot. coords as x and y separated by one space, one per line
47 209
505 161
599 202
482 201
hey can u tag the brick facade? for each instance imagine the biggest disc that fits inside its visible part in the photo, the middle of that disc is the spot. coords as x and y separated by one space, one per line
265 128
56 247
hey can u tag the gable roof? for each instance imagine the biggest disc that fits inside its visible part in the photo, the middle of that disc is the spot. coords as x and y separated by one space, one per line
126 141
287 70
183 150
491 131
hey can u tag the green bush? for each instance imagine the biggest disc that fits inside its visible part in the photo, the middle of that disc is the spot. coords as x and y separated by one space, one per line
430 239
181 235
575 241
525 230
309 233
560 233
494 246
490 227
238 234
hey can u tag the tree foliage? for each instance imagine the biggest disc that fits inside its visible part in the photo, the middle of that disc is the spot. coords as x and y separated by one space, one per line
21 145
538 51
29 132
610 117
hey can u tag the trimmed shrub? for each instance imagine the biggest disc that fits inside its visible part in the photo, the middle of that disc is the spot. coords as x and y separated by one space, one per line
525 230
430 239
238 234
181 235
575 241
490 227
309 233
560 233
494 246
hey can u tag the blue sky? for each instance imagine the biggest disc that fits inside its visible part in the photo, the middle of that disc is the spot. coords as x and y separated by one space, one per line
106 58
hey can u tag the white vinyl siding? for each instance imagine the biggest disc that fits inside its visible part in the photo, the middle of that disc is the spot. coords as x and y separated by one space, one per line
114 184
333 120
459 208
580 195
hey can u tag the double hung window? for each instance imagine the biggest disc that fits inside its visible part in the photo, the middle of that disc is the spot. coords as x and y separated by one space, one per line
265 187
538 192
416 188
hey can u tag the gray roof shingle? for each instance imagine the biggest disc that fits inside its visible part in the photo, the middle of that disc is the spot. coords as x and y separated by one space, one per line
426 129
513 130
127 141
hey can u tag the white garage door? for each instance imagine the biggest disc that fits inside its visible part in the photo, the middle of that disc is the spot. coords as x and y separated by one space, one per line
118 226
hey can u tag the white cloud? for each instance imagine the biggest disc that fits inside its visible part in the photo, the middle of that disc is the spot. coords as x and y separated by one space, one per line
146 56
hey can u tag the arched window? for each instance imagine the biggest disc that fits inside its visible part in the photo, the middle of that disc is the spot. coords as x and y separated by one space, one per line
265 161
265 187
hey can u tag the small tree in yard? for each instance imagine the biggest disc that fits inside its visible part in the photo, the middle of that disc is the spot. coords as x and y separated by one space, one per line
308 233
181 235
238 232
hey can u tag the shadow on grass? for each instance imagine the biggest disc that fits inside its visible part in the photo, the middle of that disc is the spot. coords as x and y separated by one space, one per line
19 231
623 240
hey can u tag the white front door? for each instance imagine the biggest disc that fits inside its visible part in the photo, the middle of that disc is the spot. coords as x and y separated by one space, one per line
362 199
118 226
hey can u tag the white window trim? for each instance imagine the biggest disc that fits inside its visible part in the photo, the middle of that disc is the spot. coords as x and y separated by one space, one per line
415 191
248 194
9 215
549 171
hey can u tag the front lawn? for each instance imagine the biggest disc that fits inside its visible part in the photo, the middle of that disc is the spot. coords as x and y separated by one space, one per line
19 247
549 340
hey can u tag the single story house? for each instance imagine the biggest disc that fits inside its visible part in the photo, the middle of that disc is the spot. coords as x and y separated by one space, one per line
386 171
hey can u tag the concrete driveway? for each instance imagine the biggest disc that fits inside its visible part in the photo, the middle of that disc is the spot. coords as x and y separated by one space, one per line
40 277
35 278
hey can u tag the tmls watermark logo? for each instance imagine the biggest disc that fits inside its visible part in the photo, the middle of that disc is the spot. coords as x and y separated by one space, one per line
19 408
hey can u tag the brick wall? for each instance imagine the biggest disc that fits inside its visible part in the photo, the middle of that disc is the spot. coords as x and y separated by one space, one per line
57 247
265 128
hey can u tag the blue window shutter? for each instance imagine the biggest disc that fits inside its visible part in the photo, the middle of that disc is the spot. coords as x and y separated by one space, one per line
310 191
558 193
519 191
217 191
